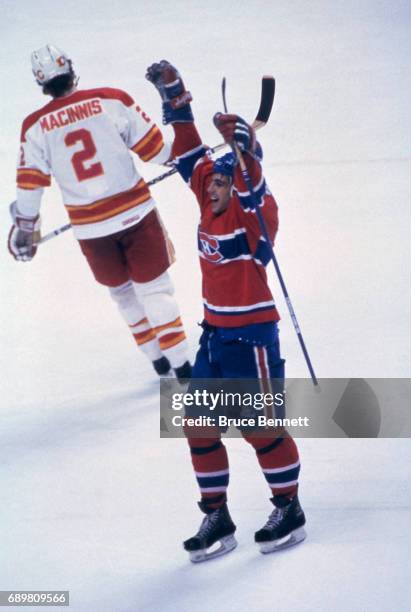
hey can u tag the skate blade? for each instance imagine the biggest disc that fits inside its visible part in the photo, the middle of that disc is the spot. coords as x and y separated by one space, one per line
294 538
227 544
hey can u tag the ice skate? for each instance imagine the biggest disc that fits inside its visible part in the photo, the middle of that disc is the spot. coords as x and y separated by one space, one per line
284 528
162 367
218 529
183 373
164 370
173 380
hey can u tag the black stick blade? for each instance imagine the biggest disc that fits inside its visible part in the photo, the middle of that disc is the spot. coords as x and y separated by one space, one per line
223 92
266 102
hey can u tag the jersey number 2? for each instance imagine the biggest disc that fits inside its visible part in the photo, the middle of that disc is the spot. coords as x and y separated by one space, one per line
85 154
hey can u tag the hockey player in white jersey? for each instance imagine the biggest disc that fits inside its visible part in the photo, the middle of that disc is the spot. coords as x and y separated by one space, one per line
85 139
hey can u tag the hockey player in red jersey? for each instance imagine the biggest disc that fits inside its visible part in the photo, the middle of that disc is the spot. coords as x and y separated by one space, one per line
240 335
84 138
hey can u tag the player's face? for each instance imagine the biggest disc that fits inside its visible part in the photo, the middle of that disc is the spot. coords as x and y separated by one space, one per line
219 191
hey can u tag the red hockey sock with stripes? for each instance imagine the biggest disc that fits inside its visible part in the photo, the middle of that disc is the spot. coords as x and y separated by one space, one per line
210 463
279 461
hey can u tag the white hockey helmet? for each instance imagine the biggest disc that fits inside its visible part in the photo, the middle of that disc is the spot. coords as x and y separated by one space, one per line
48 63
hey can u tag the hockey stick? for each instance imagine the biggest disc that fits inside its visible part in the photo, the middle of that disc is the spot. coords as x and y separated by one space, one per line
264 232
263 114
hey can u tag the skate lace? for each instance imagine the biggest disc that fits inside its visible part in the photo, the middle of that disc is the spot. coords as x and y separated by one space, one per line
208 524
275 518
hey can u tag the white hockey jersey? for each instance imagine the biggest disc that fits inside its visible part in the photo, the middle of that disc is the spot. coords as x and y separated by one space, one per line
84 141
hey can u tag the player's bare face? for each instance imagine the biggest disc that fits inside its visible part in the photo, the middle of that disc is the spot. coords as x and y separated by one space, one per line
219 191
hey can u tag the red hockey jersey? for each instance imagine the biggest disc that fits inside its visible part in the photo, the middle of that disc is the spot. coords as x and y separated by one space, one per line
233 252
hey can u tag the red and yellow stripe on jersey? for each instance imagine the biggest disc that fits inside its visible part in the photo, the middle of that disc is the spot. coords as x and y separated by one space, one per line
31 178
150 145
109 207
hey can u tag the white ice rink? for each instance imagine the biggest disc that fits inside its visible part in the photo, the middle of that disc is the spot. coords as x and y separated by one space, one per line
92 501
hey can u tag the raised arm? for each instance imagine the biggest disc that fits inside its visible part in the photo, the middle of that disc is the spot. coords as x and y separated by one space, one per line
238 133
187 147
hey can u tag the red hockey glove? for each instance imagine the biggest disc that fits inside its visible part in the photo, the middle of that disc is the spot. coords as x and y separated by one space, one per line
23 236
235 130
176 100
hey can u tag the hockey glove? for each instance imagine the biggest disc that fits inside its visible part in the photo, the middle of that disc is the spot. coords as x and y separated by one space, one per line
235 130
23 236
176 100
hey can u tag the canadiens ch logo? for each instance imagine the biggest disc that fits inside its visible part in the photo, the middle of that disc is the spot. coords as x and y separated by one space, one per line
209 246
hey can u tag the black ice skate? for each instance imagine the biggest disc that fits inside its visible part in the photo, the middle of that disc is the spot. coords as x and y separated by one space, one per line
183 373
217 527
162 366
284 527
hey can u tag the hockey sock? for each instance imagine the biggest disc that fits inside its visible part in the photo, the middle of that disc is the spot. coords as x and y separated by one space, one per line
210 463
279 461
163 315
146 339
133 314
170 336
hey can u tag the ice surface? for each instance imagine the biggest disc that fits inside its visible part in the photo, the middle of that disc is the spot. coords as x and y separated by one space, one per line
92 500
